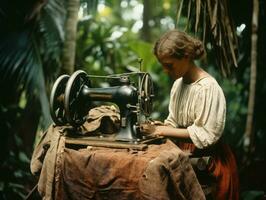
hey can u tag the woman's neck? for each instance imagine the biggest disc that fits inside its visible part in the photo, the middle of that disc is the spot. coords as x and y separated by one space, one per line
194 73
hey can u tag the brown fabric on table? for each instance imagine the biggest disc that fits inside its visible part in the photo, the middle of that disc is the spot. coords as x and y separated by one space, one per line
44 160
48 151
160 172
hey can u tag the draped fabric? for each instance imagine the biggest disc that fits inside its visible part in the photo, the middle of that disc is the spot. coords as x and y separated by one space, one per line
161 171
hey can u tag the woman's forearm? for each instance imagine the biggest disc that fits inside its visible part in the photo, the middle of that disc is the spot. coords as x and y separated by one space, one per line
167 131
175 132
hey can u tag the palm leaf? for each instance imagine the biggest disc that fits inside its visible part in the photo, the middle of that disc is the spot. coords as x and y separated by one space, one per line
215 27
31 53
51 30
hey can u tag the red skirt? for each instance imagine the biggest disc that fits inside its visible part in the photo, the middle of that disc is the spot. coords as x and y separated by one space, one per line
223 169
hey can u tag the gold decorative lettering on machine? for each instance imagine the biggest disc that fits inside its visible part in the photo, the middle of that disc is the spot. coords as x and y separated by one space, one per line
104 96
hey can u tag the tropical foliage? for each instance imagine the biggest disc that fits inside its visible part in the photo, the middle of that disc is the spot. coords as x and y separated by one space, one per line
111 37
31 36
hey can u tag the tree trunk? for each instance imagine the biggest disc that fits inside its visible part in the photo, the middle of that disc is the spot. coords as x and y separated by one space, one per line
69 48
146 33
248 137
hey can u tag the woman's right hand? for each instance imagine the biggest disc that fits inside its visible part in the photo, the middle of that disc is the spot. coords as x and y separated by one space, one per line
152 129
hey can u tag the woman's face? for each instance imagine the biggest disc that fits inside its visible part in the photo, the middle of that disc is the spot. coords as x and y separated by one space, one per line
175 68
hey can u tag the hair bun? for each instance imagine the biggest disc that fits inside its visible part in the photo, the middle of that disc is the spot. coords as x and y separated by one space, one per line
199 50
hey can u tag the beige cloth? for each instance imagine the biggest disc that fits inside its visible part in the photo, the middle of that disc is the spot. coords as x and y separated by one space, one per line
104 119
200 107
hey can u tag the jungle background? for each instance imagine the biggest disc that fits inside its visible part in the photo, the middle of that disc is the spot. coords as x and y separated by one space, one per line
42 39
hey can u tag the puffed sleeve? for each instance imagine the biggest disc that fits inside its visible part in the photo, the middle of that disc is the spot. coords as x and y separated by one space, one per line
209 113
171 119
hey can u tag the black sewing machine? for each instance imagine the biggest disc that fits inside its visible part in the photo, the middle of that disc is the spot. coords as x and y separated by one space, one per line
72 96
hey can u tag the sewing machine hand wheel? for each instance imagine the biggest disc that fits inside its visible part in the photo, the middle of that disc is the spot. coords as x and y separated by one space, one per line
147 94
76 107
57 100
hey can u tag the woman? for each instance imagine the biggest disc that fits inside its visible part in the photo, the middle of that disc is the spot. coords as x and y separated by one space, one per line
197 109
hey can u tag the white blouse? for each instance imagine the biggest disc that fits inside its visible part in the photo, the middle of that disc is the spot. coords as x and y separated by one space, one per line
200 107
